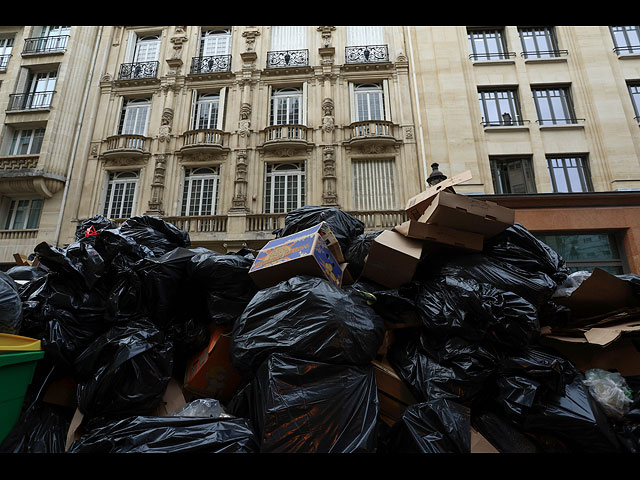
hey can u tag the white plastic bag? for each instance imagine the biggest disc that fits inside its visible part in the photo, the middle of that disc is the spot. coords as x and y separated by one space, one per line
204 407
610 390
572 282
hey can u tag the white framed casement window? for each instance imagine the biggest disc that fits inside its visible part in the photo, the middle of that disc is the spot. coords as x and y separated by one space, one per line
53 37
142 48
134 116
214 42
200 191
207 110
27 141
288 37
374 184
23 214
288 106
41 88
121 194
284 187
369 101
6 47
361 35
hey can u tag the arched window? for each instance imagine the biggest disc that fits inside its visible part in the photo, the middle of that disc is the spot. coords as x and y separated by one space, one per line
147 49
286 106
215 42
200 191
121 194
369 102
284 188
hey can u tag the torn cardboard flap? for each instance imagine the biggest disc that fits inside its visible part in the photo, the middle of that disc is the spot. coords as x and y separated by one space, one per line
600 293
392 259
439 234
418 204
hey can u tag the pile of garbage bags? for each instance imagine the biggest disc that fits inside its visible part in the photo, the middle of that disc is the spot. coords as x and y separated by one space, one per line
122 309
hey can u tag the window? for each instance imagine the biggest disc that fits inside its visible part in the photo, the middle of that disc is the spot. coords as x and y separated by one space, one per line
487 44
284 188
215 42
366 44
121 194
200 192
23 214
374 184
538 42
134 117
569 174
6 46
286 107
634 92
554 105
512 175
147 49
586 251
207 110
626 39
53 38
285 37
369 102
26 142
41 86
500 107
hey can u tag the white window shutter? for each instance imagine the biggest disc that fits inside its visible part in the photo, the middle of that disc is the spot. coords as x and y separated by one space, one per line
221 108
360 35
131 46
385 98
194 100
303 107
270 113
285 37
116 127
352 102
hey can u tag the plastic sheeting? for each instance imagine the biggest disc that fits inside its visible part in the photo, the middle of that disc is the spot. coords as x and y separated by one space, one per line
10 306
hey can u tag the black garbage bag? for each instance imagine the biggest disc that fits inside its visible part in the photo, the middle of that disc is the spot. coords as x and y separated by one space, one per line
112 244
170 434
93 226
436 426
517 246
358 250
535 287
455 306
451 368
344 226
304 406
125 295
10 306
124 371
41 428
27 273
154 233
308 318
502 433
80 260
223 279
396 306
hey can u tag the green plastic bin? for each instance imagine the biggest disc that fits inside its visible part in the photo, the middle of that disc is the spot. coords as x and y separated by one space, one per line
16 373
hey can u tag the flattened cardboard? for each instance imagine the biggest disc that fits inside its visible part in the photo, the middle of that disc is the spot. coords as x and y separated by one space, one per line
418 204
209 372
392 259
479 444
438 234
468 214
302 253
393 395
600 293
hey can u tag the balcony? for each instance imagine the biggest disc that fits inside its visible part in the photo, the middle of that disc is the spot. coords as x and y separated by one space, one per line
201 224
202 140
276 136
366 54
45 45
30 101
25 234
139 73
544 54
373 132
135 147
264 222
211 64
280 61
4 61
377 220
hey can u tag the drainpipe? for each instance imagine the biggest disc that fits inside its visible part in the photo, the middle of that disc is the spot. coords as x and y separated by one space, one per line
76 137
417 100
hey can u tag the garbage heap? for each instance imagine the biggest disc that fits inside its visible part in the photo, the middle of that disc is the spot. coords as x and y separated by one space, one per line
457 331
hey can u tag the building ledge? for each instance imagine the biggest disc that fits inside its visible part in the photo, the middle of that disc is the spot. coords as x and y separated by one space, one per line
565 200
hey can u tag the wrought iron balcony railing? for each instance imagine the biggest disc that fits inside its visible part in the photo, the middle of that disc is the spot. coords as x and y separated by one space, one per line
367 54
505 122
545 54
132 71
627 49
4 61
51 44
212 64
492 56
29 101
288 58
559 121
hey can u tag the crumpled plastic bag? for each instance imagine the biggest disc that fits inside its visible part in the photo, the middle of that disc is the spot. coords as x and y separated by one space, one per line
204 407
125 371
357 252
572 282
309 318
27 273
93 225
305 406
154 233
610 390
40 429
10 306
80 260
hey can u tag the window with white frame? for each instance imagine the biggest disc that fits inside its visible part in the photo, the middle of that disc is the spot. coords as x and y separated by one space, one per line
284 187
554 105
134 116
120 195
374 184
634 92
215 41
288 37
200 191
147 49
207 110
27 141
287 106
23 214
41 86
6 46
569 173
368 102
365 35
53 37
538 42
626 38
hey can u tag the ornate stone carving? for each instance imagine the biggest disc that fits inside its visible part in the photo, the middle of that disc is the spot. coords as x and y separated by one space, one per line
239 201
157 187
408 133
244 125
165 125
326 35
328 122
370 149
329 195
250 38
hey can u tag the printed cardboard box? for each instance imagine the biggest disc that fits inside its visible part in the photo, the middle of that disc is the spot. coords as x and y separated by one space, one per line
302 253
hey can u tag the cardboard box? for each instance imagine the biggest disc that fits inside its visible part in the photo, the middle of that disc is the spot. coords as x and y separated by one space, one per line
393 395
392 260
417 205
479 444
302 253
210 373
438 234
468 214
